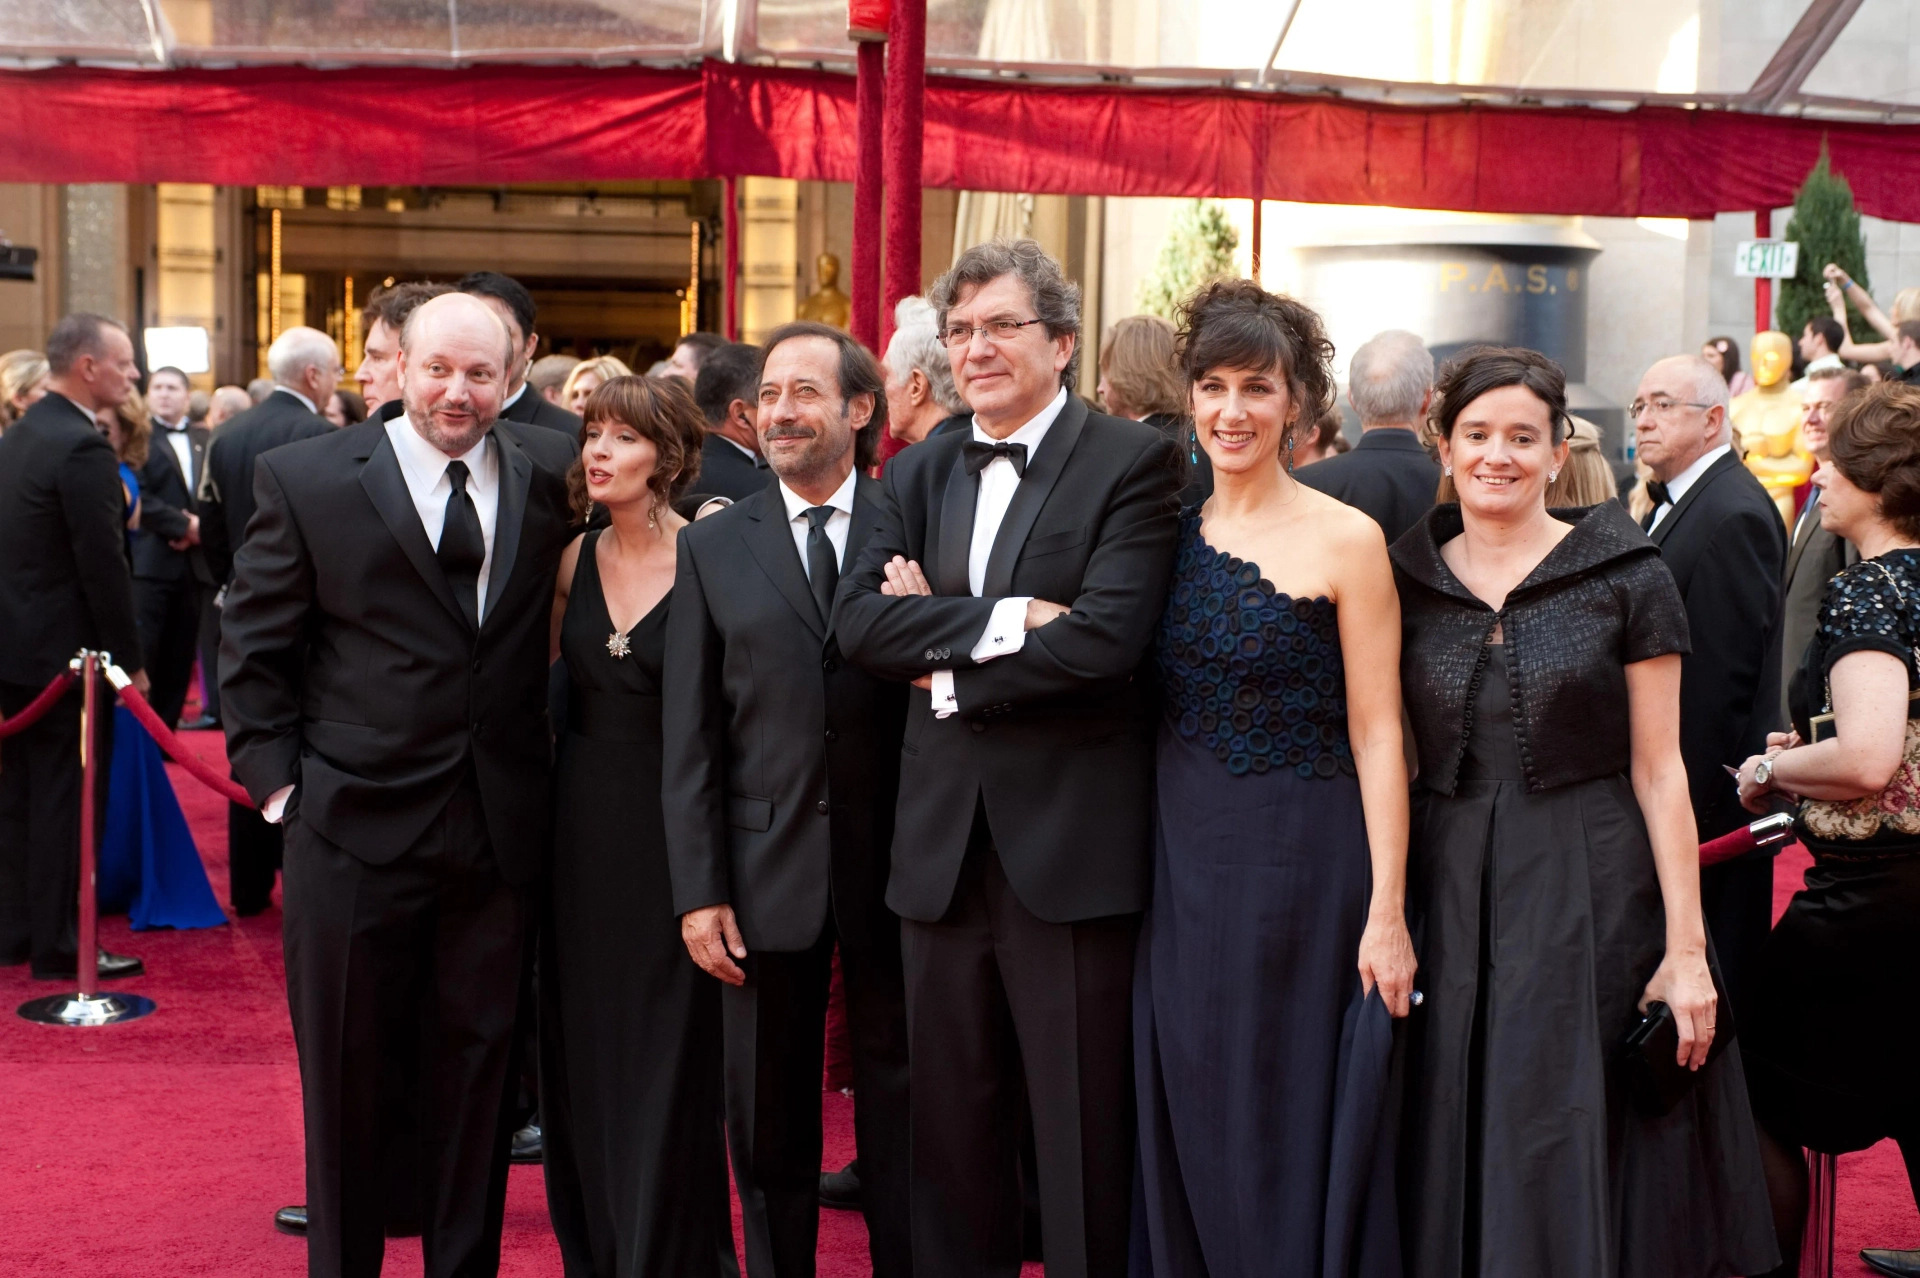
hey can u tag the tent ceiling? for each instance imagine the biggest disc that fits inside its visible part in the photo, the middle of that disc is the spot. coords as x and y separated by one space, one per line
1825 58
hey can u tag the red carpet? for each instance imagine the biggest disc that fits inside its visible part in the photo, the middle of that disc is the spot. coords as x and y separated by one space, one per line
163 1146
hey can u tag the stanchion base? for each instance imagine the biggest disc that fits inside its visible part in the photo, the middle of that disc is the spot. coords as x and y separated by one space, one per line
80 1010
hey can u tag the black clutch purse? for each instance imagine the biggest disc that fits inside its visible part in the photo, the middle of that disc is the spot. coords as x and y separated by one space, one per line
1649 1057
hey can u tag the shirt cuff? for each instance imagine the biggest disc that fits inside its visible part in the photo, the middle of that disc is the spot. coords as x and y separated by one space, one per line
943 701
275 808
1006 630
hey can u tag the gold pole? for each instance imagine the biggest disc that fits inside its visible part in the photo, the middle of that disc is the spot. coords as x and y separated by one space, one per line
690 313
273 283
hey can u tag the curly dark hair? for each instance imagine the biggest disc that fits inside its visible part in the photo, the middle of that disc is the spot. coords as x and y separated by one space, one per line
660 408
1474 372
1874 436
1238 324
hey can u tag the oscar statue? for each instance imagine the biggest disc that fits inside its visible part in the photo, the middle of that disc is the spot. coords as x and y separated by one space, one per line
826 304
1766 423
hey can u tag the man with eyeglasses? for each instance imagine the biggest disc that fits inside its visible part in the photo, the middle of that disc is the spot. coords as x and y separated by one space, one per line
1814 555
1722 538
1016 577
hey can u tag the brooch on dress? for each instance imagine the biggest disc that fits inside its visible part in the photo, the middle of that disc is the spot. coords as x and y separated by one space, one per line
617 645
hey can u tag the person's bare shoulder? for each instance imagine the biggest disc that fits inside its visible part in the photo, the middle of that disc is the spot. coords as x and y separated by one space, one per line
1350 533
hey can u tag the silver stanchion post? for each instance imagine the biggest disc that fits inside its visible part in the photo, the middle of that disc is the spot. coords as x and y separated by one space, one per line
88 1007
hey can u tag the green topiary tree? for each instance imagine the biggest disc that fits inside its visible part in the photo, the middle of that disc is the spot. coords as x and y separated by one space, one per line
1826 225
1198 250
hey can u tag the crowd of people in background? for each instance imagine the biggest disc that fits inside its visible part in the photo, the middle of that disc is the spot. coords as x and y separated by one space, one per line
1235 844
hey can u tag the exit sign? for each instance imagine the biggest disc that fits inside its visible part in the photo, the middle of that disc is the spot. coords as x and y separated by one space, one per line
1766 259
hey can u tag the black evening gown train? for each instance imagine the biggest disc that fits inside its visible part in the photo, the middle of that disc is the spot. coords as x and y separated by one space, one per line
629 1026
1266 1134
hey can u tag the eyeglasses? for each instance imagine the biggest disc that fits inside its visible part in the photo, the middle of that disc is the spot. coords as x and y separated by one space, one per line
1659 406
996 330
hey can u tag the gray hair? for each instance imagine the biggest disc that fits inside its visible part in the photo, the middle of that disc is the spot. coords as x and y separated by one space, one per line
1710 389
916 344
1056 299
1389 377
298 349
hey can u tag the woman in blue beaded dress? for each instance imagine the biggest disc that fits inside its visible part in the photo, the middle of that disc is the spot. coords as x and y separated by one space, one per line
1275 951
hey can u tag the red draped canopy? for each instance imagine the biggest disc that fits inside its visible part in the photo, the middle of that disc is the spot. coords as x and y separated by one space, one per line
497 124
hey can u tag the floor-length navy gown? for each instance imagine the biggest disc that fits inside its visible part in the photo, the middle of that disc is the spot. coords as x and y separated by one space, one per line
1262 1071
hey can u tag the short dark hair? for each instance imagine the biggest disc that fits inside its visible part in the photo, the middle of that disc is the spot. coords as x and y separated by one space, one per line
1481 369
352 407
503 288
659 408
171 371
1238 324
1852 378
704 342
1909 329
391 304
859 375
731 371
1874 439
76 335
1828 330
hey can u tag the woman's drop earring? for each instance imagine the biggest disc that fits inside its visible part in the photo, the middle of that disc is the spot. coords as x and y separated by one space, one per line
1193 446
1289 452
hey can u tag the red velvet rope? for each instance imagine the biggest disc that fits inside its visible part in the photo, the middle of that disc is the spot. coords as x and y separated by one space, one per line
36 709
176 749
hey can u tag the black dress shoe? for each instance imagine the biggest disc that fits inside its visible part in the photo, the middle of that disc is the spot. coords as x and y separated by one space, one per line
250 908
1895 1264
841 1190
291 1220
204 723
528 1146
112 967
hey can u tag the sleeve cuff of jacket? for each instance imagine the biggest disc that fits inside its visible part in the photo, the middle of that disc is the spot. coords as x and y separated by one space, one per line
275 808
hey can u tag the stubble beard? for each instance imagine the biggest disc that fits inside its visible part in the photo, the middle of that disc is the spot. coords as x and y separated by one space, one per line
453 443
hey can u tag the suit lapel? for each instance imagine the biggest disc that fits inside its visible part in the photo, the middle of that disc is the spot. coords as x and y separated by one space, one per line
956 529
866 521
1043 470
516 476
387 488
771 543
1803 530
1679 510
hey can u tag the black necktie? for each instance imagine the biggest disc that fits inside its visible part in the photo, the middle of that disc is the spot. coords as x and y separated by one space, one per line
823 566
1658 492
463 548
978 455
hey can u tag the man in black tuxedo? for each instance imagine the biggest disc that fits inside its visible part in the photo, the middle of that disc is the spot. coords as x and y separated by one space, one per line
728 392
1722 538
305 364
384 674
1388 474
63 586
782 766
1016 577
169 572
514 305
1814 555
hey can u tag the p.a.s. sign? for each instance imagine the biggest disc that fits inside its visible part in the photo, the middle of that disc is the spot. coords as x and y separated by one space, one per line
1766 259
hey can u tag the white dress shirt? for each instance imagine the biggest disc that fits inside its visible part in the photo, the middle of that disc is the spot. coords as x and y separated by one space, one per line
1678 485
288 390
424 467
182 445
1006 631
838 523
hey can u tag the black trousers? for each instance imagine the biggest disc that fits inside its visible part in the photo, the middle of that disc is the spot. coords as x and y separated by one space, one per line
1004 1007
169 616
254 849
40 827
209 653
423 952
774 1029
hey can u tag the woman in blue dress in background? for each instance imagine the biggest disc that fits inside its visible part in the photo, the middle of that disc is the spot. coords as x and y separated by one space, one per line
1275 951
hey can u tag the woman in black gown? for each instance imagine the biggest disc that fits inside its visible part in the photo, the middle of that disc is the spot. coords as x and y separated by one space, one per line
1553 877
629 1027
1833 1048
1275 952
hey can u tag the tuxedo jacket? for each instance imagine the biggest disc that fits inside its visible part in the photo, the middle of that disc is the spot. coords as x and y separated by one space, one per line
226 489
532 409
348 669
1814 557
782 759
64 583
166 500
1727 550
727 472
1388 475
1057 738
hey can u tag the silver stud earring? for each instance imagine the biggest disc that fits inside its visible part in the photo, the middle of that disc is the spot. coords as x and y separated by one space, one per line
1449 472
1552 475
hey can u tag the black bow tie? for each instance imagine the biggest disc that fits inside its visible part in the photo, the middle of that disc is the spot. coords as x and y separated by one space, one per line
181 429
1658 492
978 455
